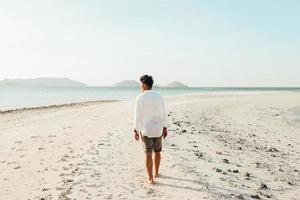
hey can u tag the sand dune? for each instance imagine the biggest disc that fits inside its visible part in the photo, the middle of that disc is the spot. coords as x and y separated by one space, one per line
220 146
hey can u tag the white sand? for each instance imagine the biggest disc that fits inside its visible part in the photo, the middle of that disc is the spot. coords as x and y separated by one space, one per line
88 151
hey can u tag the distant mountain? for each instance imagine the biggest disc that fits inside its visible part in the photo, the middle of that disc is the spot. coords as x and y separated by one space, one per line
133 83
127 83
176 84
42 82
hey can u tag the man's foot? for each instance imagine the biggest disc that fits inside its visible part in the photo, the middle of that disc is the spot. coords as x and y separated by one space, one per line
150 181
156 174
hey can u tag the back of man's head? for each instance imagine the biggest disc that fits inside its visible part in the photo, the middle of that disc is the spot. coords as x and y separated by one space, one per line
147 80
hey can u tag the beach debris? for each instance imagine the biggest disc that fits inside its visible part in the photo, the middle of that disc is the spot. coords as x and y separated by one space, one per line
263 186
173 145
217 169
239 196
218 152
258 164
246 174
235 171
177 123
183 131
264 194
273 149
225 161
255 196
64 157
198 154
239 148
290 183
69 180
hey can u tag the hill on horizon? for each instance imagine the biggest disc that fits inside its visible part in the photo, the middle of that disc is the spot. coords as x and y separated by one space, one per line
42 82
176 84
133 83
127 83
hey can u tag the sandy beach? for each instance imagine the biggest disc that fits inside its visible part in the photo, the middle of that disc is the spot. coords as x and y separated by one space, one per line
220 146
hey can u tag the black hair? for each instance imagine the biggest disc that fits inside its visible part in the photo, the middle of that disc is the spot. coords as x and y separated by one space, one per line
147 80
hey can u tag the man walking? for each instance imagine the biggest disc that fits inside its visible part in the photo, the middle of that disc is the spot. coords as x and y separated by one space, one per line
150 123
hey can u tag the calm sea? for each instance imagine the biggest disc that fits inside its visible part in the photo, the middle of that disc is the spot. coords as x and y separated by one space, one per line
19 97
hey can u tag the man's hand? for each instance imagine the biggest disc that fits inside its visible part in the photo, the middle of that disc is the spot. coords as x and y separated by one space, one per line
136 135
165 132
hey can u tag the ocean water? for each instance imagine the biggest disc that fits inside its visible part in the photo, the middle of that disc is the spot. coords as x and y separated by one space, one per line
21 97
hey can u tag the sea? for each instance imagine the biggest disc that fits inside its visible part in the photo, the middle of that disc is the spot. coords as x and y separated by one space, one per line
26 97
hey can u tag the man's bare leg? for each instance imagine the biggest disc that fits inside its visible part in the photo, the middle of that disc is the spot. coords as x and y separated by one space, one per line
156 163
149 164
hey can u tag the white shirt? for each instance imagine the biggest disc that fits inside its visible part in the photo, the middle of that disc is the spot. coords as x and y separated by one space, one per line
150 114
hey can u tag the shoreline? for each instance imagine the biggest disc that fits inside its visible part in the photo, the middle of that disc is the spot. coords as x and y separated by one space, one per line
211 94
55 106
205 94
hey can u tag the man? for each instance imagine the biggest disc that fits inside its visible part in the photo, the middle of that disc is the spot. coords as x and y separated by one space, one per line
150 122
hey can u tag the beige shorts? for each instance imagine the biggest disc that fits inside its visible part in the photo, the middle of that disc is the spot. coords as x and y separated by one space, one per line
152 144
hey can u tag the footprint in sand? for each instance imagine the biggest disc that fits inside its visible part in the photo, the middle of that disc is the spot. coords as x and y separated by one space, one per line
67 127
51 136
35 136
18 142
20 149
9 163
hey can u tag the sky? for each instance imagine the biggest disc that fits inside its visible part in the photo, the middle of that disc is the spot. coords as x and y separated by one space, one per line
215 43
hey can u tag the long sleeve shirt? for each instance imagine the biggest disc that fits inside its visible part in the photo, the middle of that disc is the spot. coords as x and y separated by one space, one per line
150 116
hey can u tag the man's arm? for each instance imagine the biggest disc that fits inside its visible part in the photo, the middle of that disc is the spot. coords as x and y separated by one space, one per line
137 118
165 120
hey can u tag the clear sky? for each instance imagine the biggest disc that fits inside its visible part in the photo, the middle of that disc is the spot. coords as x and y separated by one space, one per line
197 42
